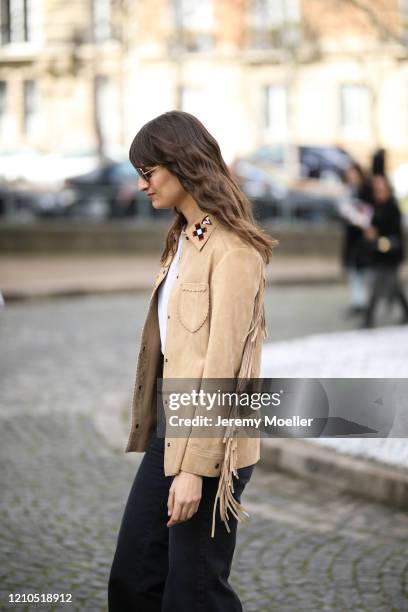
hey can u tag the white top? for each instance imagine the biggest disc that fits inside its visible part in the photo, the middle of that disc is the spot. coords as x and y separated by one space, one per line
164 293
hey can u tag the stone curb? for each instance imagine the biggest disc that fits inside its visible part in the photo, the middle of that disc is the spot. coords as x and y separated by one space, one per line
19 295
367 478
41 293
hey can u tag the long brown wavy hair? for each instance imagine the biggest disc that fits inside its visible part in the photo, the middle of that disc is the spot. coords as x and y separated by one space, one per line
180 142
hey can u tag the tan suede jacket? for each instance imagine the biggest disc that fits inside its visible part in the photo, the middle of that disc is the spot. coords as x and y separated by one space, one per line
215 329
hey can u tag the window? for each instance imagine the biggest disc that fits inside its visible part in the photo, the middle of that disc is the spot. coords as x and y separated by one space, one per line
3 104
5 21
274 22
101 19
269 14
404 17
194 24
30 106
16 17
276 111
355 110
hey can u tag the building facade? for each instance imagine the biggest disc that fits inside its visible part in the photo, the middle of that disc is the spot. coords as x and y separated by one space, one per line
87 74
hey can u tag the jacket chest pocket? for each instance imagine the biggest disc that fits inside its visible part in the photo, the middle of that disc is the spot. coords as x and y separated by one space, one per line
193 305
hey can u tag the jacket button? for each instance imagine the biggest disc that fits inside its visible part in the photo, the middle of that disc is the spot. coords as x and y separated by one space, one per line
177 276
166 360
140 386
137 425
143 348
168 443
187 238
217 465
168 316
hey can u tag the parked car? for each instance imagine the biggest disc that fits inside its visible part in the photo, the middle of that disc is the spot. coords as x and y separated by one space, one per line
44 170
33 180
14 163
16 202
267 193
110 191
275 194
314 161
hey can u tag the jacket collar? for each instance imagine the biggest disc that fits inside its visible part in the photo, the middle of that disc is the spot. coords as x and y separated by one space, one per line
201 229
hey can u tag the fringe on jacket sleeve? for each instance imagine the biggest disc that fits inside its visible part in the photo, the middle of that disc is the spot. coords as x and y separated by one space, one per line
225 490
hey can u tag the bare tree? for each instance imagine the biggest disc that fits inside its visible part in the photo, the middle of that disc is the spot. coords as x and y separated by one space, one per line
376 19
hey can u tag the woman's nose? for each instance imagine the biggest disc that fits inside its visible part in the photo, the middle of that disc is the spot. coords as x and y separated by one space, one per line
142 184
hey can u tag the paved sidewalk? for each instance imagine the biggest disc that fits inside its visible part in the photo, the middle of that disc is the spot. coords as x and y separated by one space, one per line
25 277
29 277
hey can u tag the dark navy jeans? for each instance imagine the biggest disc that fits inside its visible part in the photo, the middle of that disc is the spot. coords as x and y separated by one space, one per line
172 569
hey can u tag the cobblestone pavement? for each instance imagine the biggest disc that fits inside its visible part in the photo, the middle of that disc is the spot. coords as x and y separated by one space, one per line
307 547
66 364
63 492
304 547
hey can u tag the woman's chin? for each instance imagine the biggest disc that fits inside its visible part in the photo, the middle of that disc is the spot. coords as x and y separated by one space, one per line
159 205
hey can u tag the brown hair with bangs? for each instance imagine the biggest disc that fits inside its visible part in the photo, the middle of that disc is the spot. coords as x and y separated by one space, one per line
181 143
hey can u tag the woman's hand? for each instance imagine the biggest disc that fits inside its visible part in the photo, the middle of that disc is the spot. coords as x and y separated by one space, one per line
371 233
184 497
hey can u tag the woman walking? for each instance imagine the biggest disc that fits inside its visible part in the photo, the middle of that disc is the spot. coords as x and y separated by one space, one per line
356 210
205 320
386 237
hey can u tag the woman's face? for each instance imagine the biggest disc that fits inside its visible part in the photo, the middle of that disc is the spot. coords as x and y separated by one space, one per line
353 178
381 190
162 187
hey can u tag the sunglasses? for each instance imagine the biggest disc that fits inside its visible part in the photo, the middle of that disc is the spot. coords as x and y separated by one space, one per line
146 174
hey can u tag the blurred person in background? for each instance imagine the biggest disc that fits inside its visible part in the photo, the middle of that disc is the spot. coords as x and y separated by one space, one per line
385 236
379 163
356 212
206 321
